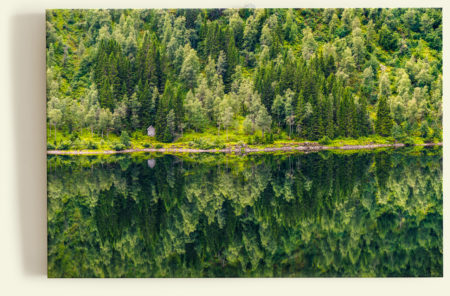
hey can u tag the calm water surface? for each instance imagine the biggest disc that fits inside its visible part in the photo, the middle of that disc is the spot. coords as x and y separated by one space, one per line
321 214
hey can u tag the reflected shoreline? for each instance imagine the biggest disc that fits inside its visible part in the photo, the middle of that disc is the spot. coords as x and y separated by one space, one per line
239 149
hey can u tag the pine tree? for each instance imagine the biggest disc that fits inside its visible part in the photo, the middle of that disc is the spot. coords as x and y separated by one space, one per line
363 122
165 104
329 121
383 124
134 107
169 131
277 109
232 60
289 110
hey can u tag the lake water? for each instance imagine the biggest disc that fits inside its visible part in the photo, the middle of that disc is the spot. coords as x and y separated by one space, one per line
324 214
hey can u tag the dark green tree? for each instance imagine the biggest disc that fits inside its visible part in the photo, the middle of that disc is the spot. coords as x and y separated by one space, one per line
384 122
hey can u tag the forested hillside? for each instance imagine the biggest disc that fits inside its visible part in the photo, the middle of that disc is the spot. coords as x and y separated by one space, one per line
253 74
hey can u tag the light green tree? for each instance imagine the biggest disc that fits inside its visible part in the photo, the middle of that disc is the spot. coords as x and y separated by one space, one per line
263 120
54 116
105 121
190 68
225 114
289 110
195 114
309 45
384 87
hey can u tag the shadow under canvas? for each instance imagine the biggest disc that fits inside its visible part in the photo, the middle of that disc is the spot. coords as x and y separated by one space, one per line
27 68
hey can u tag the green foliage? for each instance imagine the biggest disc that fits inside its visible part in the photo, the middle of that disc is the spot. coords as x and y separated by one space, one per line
125 139
408 141
384 122
310 73
202 143
325 141
388 39
64 145
92 145
119 146
363 214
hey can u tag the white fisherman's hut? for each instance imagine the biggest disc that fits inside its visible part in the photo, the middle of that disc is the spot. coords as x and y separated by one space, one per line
151 131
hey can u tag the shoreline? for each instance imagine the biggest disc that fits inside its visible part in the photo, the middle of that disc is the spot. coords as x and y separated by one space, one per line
306 147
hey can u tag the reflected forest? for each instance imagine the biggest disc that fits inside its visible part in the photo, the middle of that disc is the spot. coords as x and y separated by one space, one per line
324 214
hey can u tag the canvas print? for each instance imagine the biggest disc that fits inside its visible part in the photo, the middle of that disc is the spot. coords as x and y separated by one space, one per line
244 143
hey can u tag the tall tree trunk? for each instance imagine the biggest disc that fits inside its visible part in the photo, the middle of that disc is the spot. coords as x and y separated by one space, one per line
55 133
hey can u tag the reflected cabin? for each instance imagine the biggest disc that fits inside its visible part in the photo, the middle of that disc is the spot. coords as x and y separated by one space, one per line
151 131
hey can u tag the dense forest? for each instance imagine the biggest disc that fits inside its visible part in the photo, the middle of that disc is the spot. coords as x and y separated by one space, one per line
323 214
307 74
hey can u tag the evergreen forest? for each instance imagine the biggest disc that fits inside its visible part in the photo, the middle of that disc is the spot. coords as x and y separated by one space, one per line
255 76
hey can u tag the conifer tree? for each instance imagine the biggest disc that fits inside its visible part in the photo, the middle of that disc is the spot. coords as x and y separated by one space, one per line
328 114
384 122
169 131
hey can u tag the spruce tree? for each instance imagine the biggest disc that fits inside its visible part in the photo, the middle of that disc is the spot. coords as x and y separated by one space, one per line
384 121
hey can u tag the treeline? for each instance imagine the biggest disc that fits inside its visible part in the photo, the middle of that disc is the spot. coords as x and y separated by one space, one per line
312 73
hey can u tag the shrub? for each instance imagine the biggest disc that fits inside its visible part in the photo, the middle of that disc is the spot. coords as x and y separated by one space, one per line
201 143
408 141
125 139
50 146
219 144
146 145
77 144
75 136
268 138
118 146
92 145
64 145
325 141
158 146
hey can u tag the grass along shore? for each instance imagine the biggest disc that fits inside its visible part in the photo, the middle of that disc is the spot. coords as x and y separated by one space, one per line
210 141
300 147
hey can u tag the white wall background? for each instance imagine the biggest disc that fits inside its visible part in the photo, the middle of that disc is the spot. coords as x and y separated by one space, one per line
23 236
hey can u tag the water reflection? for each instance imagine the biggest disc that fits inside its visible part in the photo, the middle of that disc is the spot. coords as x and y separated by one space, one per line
151 163
320 214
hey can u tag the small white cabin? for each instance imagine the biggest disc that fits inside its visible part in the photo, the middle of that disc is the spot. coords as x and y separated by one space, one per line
151 131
